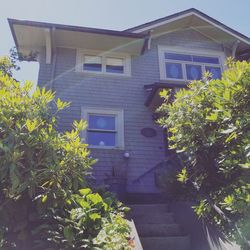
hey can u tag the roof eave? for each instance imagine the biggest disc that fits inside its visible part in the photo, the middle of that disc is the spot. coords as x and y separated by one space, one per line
75 28
150 25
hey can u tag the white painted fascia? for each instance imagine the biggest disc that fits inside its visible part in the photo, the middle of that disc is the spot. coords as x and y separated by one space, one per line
186 15
162 23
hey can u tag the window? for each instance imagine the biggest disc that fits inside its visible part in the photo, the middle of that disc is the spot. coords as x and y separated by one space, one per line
92 63
105 128
103 63
115 65
188 66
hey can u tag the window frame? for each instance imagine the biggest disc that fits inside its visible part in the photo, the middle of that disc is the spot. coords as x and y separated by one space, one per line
104 55
119 125
180 50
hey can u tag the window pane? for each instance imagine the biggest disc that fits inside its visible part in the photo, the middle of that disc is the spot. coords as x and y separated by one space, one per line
193 72
101 138
179 57
92 63
115 65
215 71
206 59
174 70
101 122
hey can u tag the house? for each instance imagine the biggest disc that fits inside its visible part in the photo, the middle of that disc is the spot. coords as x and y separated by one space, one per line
112 79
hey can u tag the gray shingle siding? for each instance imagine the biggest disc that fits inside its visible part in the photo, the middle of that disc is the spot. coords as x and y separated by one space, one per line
125 93
189 39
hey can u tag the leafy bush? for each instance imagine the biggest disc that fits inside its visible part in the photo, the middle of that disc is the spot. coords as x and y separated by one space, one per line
87 222
210 128
42 170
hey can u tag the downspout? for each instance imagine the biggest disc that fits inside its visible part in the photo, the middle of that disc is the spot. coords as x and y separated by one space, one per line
234 49
54 59
149 39
147 43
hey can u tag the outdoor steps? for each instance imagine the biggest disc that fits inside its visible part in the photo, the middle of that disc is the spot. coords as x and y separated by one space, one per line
166 243
157 229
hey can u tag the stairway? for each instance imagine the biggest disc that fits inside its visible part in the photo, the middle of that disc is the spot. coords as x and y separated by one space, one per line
157 228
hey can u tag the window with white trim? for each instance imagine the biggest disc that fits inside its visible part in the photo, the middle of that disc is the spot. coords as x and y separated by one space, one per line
103 63
188 66
105 128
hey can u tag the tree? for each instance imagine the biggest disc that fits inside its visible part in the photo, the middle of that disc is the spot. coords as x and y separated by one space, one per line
43 175
209 127
9 64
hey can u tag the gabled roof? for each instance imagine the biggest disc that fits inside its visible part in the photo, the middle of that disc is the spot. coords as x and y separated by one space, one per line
188 13
30 36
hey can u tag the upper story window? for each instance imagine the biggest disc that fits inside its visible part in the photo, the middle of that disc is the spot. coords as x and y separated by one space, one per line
188 66
103 63
105 128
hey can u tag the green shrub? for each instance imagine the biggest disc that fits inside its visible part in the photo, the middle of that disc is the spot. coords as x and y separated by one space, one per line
210 128
88 221
41 171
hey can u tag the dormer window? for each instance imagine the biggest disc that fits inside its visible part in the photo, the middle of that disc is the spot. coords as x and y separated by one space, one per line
103 63
185 66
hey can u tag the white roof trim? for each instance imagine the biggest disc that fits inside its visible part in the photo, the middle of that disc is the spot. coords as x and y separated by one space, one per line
150 27
219 27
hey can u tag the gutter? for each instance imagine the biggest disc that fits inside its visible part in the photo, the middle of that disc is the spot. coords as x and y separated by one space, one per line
74 28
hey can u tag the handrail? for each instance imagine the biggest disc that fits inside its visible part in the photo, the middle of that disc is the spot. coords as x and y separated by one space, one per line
168 159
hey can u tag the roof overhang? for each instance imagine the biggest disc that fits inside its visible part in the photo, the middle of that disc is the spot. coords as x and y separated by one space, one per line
196 20
31 36
154 100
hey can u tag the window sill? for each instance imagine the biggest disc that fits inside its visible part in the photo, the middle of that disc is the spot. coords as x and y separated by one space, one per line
174 81
103 147
102 74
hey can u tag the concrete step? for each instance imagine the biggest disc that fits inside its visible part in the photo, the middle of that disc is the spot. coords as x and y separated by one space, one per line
151 230
149 208
166 243
153 218
140 198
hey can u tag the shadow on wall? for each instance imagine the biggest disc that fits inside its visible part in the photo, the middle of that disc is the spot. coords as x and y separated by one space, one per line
203 237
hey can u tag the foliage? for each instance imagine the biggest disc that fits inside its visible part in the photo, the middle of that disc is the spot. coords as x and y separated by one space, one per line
9 64
88 222
6 65
41 170
165 178
209 126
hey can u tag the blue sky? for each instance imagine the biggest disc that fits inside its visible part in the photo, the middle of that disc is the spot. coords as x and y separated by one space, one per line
112 14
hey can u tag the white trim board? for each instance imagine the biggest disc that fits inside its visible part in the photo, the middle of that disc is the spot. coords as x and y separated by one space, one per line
150 27
177 49
103 54
119 114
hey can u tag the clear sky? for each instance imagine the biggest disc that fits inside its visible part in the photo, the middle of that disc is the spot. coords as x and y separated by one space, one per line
112 14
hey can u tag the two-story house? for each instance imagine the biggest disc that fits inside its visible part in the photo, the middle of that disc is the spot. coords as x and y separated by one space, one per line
112 79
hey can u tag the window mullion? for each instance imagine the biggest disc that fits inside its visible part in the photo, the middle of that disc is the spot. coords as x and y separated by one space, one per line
103 64
184 71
